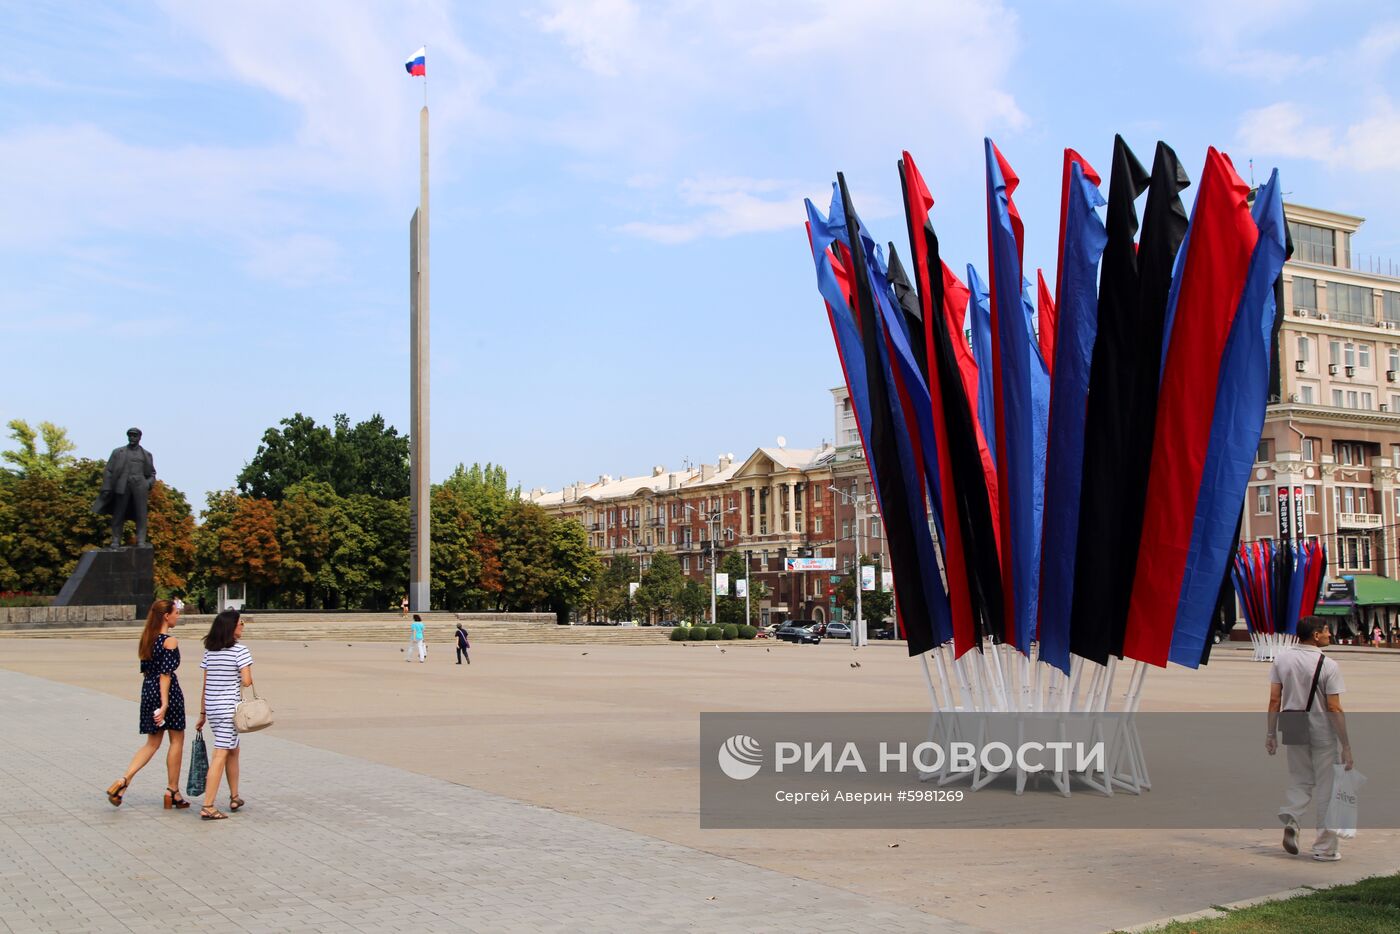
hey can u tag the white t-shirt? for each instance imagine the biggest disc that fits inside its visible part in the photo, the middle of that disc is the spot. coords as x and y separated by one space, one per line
1293 669
223 685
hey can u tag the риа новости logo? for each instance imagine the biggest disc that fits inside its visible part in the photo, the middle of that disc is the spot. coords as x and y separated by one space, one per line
740 757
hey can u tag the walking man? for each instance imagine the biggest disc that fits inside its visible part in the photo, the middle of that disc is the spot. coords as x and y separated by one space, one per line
1308 685
463 646
415 639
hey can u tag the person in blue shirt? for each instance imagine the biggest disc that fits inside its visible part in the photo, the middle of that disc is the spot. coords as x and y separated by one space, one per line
416 639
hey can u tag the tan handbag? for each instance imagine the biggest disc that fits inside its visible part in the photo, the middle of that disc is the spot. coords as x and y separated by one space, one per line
253 714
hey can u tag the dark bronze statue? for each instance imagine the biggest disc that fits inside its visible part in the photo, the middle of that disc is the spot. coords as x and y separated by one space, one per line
126 485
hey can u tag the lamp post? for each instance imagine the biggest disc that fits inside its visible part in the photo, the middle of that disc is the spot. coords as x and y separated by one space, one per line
710 519
860 502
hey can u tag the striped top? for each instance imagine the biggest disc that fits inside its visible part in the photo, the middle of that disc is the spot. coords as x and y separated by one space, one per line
222 684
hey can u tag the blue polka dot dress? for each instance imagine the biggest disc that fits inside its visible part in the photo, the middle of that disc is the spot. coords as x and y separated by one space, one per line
163 661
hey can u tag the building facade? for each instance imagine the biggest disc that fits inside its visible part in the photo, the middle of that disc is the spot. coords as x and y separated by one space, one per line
777 503
1329 460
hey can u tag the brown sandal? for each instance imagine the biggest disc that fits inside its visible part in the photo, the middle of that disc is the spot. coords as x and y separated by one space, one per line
115 793
209 812
235 803
173 800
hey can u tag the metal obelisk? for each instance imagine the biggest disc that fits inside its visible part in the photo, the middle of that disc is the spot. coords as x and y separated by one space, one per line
420 546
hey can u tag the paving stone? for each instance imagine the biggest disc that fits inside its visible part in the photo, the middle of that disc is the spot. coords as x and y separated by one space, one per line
330 842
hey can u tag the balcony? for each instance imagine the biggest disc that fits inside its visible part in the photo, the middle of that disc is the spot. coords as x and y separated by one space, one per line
1359 520
657 523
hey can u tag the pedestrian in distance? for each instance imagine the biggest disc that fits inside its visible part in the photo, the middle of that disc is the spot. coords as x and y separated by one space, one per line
463 645
403 607
1307 687
162 703
1377 636
228 668
415 640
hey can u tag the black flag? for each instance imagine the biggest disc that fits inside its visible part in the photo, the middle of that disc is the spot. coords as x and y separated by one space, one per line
1099 617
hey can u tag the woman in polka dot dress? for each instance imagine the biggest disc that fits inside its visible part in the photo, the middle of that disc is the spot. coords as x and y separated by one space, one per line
162 703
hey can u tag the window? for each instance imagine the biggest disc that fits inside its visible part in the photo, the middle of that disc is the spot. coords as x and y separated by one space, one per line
1363 499
1309 449
1310 498
1337 398
1352 400
817 525
1261 506
1394 357
1334 352
1304 348
1264 448
1305 293
1395 457
874 528
1366 401
1350 303
1349 353
1348 499
685 563
816 494
1305 394
1363 356
1390 307
1313 244
845 529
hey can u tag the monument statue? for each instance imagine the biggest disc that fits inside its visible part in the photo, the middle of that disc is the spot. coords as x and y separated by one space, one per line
126 485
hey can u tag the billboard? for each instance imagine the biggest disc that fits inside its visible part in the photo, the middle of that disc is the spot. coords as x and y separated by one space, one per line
810 564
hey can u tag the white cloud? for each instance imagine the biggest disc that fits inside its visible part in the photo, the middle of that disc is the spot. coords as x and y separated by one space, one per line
600 32
296 260
1285 129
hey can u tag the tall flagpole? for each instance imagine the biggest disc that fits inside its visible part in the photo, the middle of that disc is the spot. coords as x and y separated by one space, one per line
420 546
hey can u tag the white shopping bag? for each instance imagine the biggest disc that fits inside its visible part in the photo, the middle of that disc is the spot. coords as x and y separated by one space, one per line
1341 812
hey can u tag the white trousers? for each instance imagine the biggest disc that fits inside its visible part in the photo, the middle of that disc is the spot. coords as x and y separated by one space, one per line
422 650
1310 772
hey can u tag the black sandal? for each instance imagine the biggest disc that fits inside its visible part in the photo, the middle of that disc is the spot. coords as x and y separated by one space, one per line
174 800
209 812
115 793
234 803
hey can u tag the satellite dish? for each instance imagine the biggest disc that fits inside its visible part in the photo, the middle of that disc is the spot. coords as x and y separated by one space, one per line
782 442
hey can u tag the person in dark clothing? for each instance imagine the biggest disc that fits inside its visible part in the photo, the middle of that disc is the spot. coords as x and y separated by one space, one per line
463 646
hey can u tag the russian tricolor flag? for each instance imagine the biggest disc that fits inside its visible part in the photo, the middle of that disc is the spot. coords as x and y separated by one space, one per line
417 63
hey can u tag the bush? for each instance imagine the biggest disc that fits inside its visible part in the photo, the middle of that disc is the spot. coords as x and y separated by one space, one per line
679 634
748 632
714 633
697 634
23 598
729 631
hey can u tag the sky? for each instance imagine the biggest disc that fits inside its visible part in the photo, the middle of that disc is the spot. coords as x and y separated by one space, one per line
204 207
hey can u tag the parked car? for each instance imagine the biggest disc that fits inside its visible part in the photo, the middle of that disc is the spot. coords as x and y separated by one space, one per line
802 635
668 622
838 631
886 633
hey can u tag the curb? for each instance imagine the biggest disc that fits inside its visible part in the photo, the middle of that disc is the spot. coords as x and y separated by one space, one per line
1219 911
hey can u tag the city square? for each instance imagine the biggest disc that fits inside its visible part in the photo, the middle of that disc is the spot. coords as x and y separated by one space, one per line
555 787
922 465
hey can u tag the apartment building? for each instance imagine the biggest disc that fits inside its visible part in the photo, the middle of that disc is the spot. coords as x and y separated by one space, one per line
1329 458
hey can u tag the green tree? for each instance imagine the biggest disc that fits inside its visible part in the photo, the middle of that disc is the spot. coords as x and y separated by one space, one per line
370 458
29 461
876 605
525 548
49 524
693 601
573 566
608 598
305 525
661 587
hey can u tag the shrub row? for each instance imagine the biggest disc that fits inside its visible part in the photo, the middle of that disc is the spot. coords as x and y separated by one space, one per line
713 633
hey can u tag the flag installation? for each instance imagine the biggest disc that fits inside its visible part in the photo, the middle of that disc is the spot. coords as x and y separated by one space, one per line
1277 586
1061 473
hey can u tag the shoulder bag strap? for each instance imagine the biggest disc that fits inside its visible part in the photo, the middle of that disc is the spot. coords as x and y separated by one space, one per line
1316 674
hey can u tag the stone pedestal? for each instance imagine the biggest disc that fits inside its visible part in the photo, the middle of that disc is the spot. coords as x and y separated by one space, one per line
113 575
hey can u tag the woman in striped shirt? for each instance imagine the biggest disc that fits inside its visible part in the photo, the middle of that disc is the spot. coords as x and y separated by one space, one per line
228 668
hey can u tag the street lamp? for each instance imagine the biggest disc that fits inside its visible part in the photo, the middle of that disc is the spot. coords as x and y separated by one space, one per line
710 519
860 502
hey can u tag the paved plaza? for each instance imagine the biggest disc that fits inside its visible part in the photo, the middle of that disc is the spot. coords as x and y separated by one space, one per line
335 843
553 787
